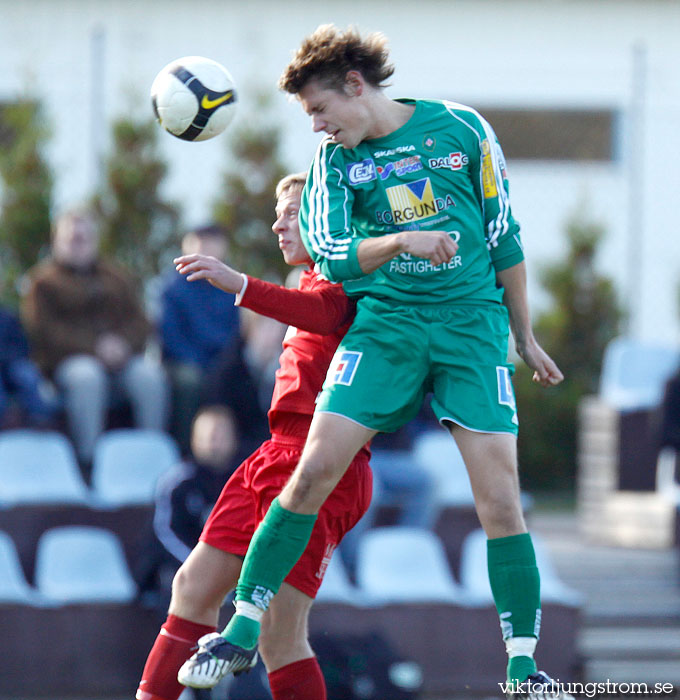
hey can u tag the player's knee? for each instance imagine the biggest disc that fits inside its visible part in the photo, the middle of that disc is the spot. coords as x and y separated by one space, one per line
312 483
279 646
500 513
323 469
187 586
500 510
268 642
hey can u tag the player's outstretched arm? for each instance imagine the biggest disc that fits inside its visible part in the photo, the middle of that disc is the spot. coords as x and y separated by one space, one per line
514 281
205 267
320 311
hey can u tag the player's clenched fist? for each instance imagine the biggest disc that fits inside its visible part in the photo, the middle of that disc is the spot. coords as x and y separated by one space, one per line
436 246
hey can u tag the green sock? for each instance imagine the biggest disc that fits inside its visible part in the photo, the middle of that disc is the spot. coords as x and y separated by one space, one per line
515 584
276 546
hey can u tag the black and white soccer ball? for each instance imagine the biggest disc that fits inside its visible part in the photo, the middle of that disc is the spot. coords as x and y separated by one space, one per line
194 98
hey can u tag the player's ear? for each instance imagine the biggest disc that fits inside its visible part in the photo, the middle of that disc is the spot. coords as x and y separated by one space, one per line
354 83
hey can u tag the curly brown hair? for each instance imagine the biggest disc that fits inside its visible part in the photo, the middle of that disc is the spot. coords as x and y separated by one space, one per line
329 53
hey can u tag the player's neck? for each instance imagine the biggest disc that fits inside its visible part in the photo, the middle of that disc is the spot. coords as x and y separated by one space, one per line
388 116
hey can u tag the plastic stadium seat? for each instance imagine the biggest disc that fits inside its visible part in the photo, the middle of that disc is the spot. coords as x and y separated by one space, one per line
666 482
127 463
82 565
336 586
474 575
437 453
634 373
404 564
39 467
13 585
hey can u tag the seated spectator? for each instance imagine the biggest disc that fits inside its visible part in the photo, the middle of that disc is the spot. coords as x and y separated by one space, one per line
669 414
262 350
184 498
234 382
21 382
88 332
197 322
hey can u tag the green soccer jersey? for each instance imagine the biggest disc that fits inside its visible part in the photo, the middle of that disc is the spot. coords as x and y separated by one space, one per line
442 170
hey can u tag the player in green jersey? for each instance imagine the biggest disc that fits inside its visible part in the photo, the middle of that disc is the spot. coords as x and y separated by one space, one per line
407 203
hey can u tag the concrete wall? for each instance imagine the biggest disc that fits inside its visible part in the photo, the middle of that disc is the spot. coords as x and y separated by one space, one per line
94 59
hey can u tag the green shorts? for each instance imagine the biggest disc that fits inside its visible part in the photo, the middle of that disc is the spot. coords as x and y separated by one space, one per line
393 356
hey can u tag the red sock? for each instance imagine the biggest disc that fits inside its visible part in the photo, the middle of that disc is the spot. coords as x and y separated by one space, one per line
170 650
301 680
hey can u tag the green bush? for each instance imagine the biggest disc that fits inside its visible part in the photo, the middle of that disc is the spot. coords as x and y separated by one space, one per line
245 206
26 192
138 226
584 317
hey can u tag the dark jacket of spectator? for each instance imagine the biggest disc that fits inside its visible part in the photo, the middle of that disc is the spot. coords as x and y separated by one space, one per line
197 321
13 341
66 310
184 498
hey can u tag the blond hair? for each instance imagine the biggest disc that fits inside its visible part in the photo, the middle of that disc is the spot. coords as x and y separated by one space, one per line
293 181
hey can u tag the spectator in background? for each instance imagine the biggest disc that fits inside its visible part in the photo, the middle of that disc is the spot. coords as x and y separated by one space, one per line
263 339
191 342
669 414
89 332
20 379
184 498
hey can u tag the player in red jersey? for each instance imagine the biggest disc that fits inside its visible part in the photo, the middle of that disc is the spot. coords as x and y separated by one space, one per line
318 314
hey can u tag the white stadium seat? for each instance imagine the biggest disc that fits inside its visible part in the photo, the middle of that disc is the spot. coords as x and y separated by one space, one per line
127 464
336 586
39 467
13 586
76 564
474 575
404 564
437 453
634 373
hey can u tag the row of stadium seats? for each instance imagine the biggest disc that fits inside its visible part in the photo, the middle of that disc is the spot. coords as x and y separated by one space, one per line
410 565
41 467
38 466
73 565
77 564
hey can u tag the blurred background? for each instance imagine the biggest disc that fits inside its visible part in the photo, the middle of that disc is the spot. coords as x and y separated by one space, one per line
585 99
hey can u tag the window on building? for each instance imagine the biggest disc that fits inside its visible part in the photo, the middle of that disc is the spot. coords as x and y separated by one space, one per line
554 134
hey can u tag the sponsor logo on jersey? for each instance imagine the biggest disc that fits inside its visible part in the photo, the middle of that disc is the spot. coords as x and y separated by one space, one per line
417 266
261 597
328 553
344 366
412 201
506 395
410 164
454 161
363 171
393 151
488 175
501 165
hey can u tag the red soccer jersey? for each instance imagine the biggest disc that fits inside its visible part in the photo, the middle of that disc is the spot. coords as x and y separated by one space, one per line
318 314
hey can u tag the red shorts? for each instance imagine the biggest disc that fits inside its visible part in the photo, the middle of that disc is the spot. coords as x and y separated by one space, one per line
247 495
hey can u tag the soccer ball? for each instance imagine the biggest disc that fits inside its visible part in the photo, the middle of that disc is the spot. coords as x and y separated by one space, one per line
194 98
